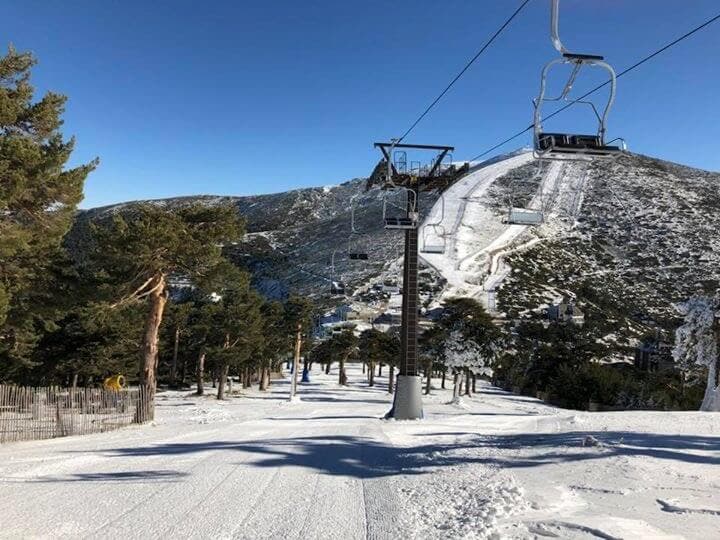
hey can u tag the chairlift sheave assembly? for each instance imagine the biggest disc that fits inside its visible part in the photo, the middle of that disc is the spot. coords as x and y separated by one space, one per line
573 146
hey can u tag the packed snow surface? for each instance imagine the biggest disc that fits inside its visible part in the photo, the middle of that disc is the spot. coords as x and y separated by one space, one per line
258 466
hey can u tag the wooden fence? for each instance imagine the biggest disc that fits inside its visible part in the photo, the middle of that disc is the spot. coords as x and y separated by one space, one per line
43 413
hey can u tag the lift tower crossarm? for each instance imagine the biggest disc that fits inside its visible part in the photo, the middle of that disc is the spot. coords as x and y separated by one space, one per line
427 182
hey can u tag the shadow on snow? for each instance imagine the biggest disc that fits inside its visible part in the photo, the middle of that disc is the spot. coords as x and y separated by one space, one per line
362 457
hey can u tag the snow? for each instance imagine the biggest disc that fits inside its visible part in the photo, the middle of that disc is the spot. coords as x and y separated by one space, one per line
477 237
696 339
470 226
257 466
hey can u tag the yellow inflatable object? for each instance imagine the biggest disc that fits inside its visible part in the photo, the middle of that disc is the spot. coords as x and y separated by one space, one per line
116 382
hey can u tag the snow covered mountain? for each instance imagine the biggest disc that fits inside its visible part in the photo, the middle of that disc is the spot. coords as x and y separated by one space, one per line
625 238
292 237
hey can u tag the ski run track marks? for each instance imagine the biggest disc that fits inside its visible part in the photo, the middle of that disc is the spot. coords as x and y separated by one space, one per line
477 239
495 465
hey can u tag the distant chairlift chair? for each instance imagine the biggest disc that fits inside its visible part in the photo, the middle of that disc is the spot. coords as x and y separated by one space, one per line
523 216
356 252
337 286
433 237
569 146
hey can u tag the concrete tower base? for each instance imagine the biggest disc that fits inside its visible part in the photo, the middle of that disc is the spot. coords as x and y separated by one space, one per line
408 399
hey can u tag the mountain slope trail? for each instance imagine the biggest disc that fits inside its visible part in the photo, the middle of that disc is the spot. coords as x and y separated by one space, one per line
470 226
257 466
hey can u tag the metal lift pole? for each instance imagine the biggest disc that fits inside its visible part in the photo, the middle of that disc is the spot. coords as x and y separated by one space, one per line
408 334
407 404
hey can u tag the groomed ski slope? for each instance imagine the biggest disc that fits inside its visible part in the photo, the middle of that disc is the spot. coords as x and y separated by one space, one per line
477 238
256 466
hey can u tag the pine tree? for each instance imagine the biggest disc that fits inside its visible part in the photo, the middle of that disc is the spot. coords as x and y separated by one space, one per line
343 345
696 342
38 199
470 340
298 326
238 329
139 251
274 343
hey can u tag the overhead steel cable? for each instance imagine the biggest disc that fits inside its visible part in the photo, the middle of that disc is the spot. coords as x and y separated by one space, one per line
467 66
602 85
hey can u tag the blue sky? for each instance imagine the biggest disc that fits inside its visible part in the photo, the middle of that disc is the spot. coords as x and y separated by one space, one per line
182 97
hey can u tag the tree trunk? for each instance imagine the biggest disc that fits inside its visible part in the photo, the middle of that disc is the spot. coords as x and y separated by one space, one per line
456 385
173 366
75 381
200 374
380 369
342 377
474 382
391 379
327 368
264 377
363 368
224 370
467 383
371 374
443 379
148 374
428 373
296 361
711 400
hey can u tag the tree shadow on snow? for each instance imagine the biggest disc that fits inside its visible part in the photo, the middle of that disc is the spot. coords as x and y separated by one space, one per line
365 458
120 476
545 448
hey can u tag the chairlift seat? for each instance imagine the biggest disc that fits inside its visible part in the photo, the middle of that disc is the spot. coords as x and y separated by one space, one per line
525 216
565 143
400 223
358 256
440 249
581 57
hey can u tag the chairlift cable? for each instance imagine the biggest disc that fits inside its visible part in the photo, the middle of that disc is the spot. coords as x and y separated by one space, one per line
602 85
467 66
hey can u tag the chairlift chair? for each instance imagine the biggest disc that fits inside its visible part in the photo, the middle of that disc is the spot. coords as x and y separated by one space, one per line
409 218
355 252
571 146
337 286
437 231
524 216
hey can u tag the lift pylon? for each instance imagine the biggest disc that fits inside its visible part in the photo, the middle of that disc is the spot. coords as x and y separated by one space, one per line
407 404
